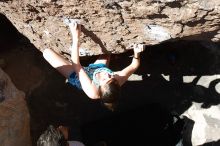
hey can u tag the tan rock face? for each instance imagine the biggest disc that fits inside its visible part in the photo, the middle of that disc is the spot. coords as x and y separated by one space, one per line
14 115
113 25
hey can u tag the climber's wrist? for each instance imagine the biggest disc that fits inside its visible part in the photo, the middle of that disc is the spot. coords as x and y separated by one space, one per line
136 56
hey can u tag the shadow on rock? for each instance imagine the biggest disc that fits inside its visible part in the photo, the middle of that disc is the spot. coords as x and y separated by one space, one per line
175 60
150 124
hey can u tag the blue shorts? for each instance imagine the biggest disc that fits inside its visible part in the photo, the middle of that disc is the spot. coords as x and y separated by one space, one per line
74 79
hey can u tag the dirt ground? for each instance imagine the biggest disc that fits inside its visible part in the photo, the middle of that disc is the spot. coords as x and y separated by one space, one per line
145 105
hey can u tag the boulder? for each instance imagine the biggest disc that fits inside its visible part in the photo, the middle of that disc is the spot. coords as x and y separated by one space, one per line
207 123
14 115
112 26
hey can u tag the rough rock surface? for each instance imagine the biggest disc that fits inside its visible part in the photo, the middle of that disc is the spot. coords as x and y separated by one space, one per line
113 25
207 126
14 115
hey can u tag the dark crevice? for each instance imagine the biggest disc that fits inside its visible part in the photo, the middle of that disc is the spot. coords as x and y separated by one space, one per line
201 21
155 16
9 34
174 4
112 5
194 23
32 9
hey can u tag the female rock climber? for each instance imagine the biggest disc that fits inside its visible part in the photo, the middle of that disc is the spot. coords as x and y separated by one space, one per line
96 80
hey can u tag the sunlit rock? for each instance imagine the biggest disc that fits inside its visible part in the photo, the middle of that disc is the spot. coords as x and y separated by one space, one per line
111 26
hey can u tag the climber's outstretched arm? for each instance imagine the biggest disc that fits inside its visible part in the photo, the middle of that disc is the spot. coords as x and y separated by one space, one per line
75 30
86 83
124 74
